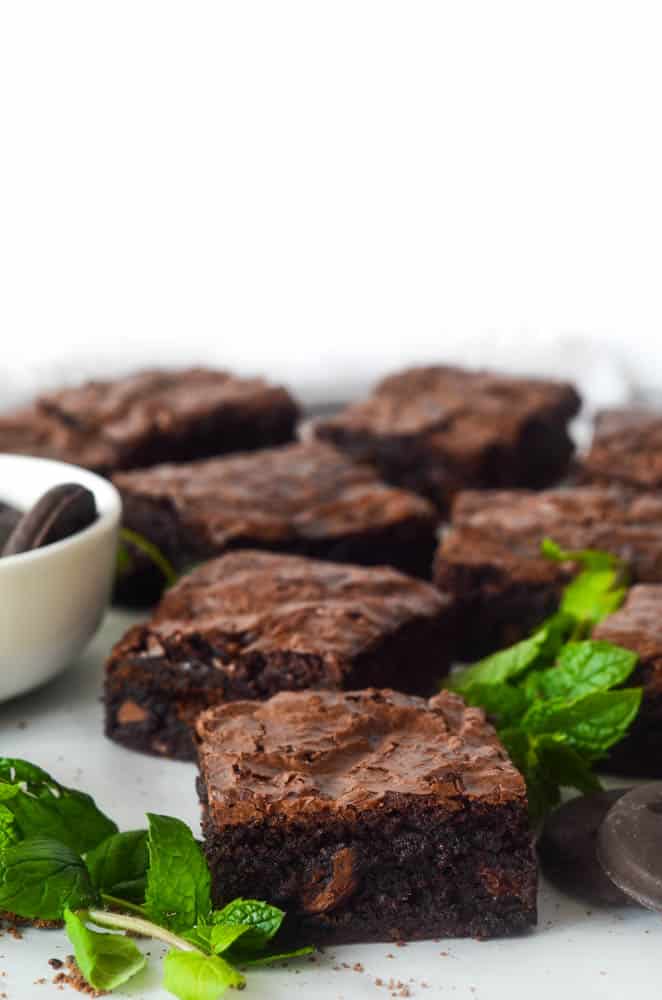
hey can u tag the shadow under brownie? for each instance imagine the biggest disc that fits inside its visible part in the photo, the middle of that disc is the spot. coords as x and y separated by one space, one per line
438 430
367 816
305 499
489 558
250 624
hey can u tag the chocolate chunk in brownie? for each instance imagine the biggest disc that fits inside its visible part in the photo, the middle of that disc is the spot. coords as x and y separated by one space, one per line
367 816
440 430
626 448
307 499
638 626
250 624
489 558
150 417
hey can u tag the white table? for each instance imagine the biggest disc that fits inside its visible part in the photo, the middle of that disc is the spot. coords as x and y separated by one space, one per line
573 953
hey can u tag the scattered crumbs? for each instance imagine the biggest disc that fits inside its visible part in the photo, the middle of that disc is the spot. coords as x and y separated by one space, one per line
379 982
40 981
401 944
337 968
444 954
345 965
357 967
390 955
426 986
74 978
55 963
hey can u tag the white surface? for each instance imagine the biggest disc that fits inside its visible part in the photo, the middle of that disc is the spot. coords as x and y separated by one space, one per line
325 188
52 599
573 953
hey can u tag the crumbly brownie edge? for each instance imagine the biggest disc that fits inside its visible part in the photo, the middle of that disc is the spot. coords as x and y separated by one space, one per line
411 870
152 702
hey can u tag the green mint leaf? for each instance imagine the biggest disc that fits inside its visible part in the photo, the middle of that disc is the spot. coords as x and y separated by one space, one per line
590 724
118 865
105 960
280 956
263 921
44 808
592 559
592 596
40 878
178 893
542 791
192 976
582 668
505 665
8 834
565 766
131 539
223 936
504 703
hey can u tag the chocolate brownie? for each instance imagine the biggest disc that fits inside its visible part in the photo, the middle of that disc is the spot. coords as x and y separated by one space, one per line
367 816
440 430
489 558
626 448
150 417
306 499
638 626
250 624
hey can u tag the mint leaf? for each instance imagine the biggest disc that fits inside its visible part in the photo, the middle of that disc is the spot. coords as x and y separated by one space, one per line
8 834
505 665
590 724
105 960
177 893
118 865
592 596
592 559
222 936
263 921
192 976
44 808
582 668
40 878
502 702
564 766
131 539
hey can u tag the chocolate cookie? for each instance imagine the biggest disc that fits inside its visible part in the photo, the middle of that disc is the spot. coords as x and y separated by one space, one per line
62 511
629 844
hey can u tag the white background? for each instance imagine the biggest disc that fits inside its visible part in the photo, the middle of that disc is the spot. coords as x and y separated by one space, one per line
324 190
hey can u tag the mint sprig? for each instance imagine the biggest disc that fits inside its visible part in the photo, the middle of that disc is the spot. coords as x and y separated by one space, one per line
556 697
153 883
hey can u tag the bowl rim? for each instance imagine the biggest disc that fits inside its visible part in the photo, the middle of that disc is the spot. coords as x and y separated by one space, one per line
107 497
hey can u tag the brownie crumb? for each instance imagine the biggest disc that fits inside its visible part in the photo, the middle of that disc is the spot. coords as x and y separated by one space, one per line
74 977
357 967
55 963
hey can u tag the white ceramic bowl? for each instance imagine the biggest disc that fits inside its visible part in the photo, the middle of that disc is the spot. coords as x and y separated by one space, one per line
52 600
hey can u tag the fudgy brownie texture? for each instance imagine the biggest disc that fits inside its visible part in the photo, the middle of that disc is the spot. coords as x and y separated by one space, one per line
307 499
626 448
250 624
440 430
489 558
638 626
367 816
150 417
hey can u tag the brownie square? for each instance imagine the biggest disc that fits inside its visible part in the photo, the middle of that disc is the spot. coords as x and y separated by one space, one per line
149 417
250 624
306 499
438 430
489 558
626 448
367 816
637 625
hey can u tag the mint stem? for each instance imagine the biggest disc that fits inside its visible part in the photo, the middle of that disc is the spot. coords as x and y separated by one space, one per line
122 904
138 925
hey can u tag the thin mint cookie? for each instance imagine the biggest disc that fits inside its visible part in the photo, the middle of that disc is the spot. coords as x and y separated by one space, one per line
567 849
9 518
62 511
630 844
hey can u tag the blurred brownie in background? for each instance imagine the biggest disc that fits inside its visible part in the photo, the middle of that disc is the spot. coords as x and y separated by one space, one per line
626 448
489 557
250 624
637 625
438 430
149 417
306 499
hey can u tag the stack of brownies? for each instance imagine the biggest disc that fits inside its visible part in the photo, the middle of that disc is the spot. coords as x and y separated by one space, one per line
326 586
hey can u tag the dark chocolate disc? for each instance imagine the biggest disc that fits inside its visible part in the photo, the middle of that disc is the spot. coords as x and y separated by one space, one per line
630 844
62 511
568 849
9 518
